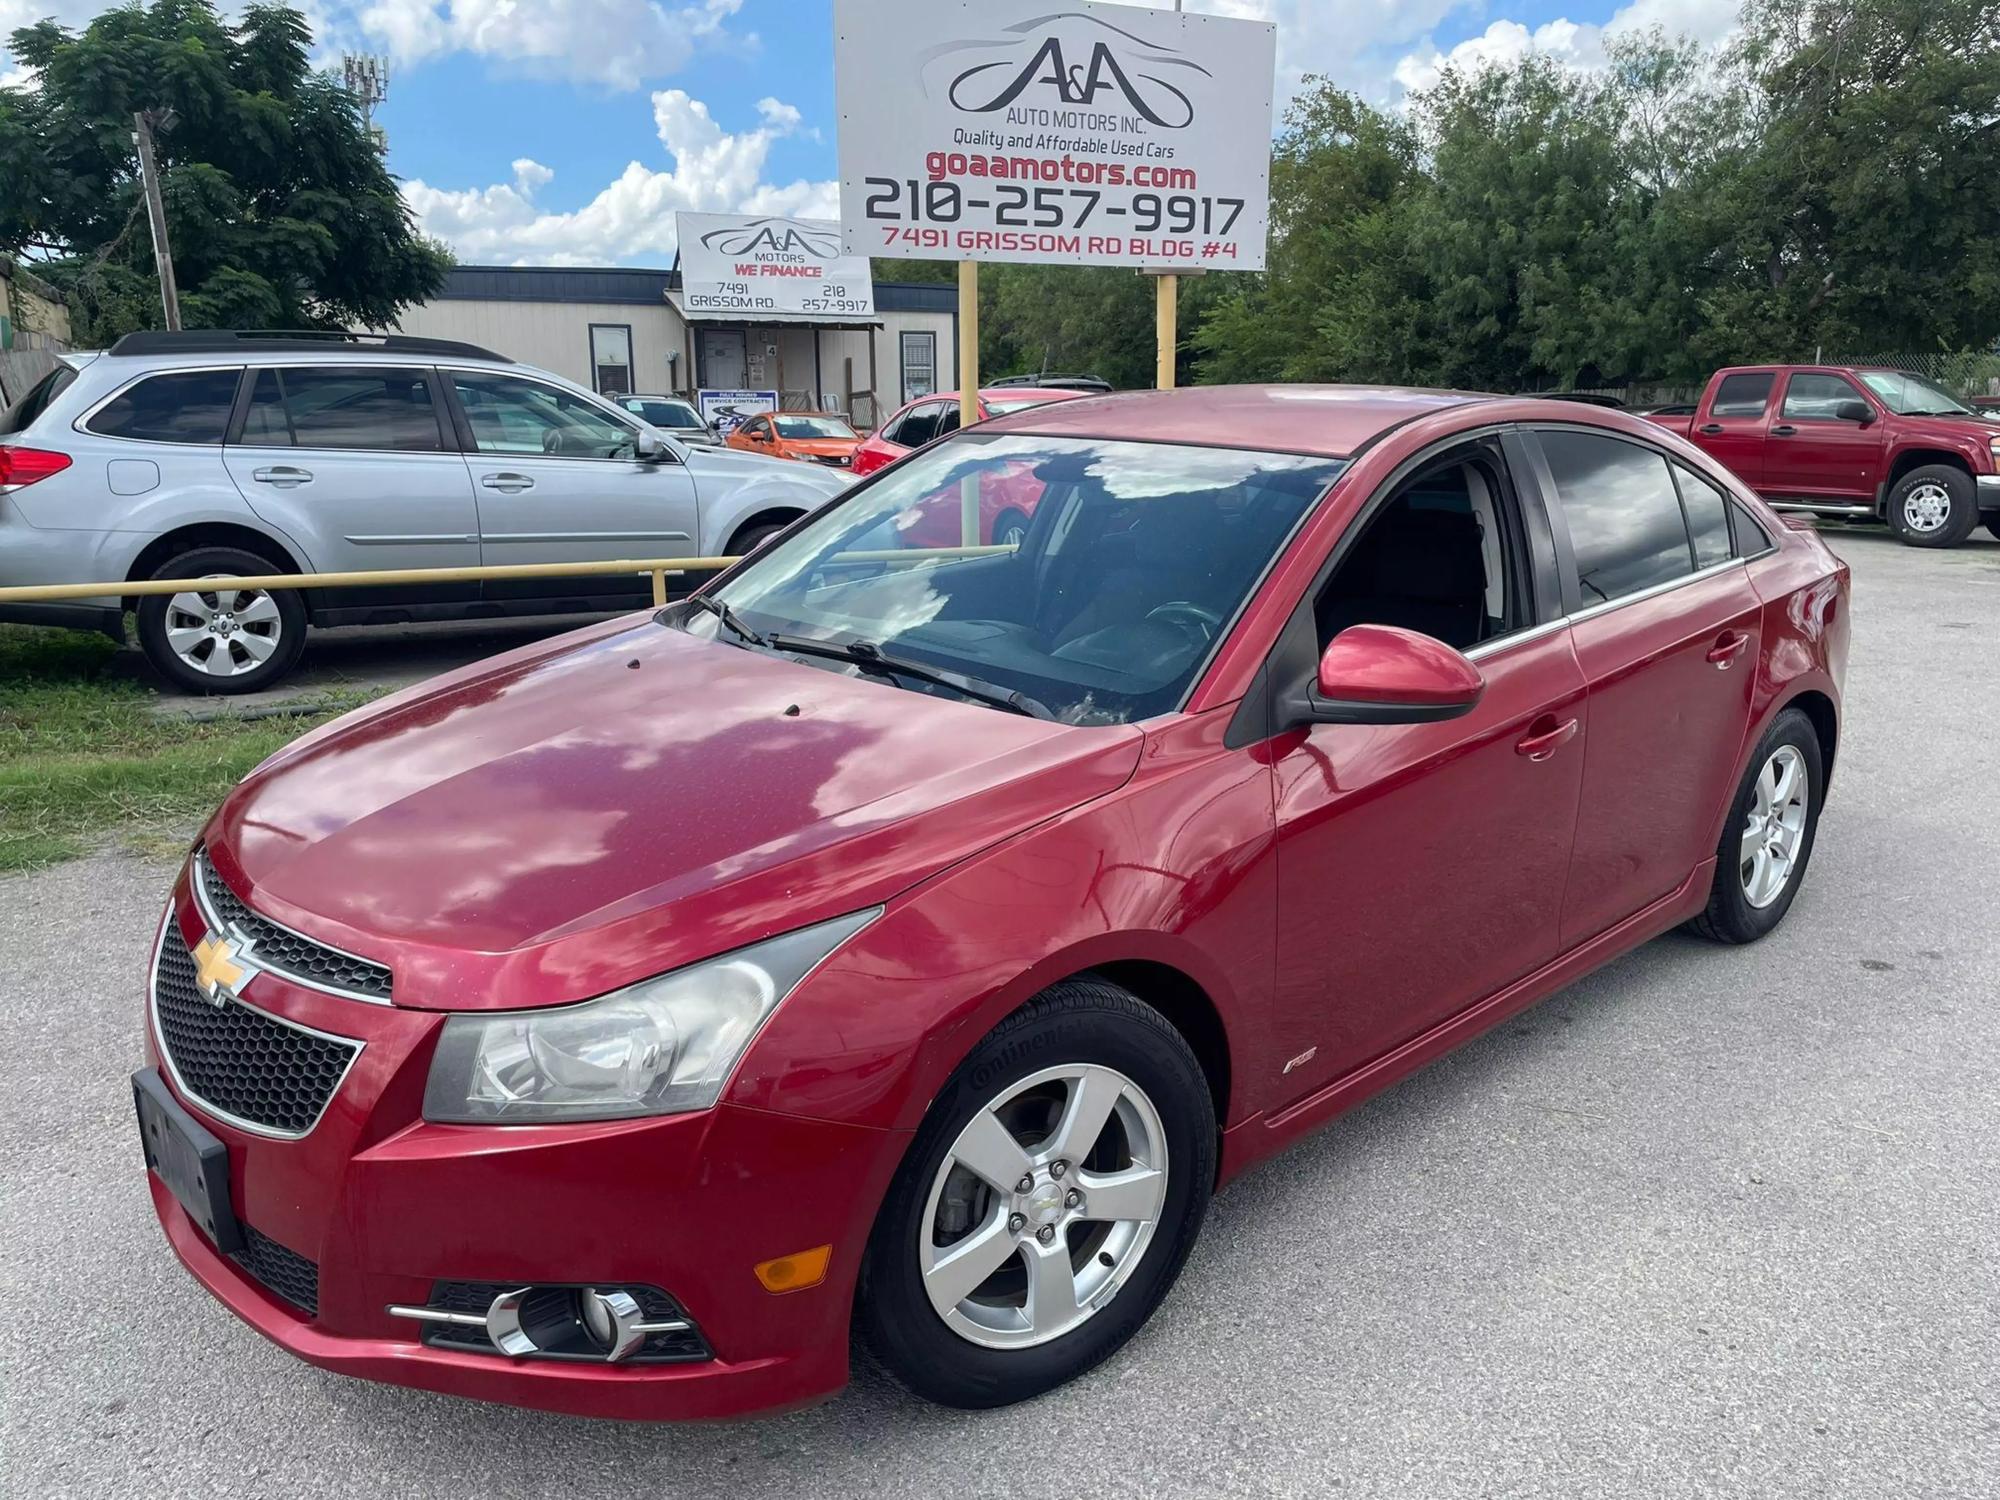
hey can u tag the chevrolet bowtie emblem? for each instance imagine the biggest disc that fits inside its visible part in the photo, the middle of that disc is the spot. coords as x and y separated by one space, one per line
219 971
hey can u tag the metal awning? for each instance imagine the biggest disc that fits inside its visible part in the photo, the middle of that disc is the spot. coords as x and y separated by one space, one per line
769 319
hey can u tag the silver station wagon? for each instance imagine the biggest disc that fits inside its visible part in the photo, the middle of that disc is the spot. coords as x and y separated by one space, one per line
197 455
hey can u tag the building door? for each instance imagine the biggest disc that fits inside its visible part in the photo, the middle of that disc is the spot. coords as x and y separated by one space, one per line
724 359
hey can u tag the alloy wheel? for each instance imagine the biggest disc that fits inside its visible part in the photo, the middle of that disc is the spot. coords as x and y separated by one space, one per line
1043 1207
1774 831
1927 507
224 632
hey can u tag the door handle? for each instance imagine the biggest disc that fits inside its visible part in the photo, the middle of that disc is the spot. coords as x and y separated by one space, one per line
1711 427
510 483
1784 429
1728 646
284 477
1545 742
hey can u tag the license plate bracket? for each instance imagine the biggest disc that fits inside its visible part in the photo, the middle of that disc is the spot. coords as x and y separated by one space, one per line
188 1158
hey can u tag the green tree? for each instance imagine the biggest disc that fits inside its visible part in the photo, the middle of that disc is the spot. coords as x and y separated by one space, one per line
279 208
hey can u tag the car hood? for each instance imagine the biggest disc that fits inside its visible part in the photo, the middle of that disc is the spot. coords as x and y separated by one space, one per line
584 813
1951 425
817 447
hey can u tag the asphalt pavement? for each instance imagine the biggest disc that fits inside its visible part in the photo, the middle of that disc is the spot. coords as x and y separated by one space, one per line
1710 1222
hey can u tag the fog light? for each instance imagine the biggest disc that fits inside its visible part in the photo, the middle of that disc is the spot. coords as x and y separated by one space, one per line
795 1272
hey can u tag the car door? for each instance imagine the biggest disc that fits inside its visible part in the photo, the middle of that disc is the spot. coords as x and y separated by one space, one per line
1421 866
1736 426
1814 454
358 463
556 481
1667 635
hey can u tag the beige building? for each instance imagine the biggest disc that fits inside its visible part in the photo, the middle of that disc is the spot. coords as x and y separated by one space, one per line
620 330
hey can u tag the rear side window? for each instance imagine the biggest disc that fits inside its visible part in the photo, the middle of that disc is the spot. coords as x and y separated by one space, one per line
189 406
1743 395
21 415
1624 515
386 410
1707 517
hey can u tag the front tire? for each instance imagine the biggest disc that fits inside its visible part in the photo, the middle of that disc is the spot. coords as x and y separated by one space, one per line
221 640
1935 506
1768 840
1047 1204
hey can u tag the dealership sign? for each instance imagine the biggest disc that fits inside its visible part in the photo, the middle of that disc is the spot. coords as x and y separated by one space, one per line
725 411
761 265
1078 134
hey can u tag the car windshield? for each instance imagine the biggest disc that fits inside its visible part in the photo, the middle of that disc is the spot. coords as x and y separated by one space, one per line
1093 578
674 416
814 427
1908 396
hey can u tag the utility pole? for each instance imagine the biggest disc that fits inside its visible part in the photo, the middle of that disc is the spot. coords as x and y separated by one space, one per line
1166 319
156 209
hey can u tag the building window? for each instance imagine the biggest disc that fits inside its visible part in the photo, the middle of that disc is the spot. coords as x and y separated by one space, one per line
611 358
919 365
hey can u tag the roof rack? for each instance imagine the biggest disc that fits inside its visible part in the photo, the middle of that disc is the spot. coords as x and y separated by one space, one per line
292 341
1052 381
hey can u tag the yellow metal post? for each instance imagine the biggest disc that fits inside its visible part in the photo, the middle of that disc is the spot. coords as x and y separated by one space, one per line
1166 318
659 586
968 392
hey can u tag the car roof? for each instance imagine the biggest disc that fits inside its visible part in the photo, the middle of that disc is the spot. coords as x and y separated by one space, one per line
1325 421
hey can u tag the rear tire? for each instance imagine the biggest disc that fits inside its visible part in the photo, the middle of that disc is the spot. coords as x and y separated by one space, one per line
1935 506
223 640
1761 860
961 1297
1010 528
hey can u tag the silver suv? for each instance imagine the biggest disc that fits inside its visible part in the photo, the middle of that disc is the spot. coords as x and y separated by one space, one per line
199 454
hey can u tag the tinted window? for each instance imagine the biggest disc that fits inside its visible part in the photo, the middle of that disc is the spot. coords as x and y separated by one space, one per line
1751 537
1624 516
21 415
511 415
1742 395
388 410
920 426
948 419
1815 398
1707 517
182 408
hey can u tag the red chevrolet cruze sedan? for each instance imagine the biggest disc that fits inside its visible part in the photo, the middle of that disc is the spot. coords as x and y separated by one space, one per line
910 934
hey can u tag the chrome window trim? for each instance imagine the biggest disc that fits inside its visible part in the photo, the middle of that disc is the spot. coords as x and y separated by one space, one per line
237 1122
1548 627
81 426
199 873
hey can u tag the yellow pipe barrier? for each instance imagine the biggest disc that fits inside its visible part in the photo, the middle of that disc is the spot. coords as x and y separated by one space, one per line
659 568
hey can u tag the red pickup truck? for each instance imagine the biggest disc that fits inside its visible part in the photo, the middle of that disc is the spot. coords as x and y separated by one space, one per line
1852 441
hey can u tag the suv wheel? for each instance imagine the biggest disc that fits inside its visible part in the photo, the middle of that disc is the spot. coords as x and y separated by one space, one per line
221 640
1935 506
1046 1205
1768 839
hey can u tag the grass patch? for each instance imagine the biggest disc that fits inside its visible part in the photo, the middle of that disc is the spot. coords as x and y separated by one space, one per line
82 759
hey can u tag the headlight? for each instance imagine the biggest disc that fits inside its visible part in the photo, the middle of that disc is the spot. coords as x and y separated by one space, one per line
1993 443
660 1047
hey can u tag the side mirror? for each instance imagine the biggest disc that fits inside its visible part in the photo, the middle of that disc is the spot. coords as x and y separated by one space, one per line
1854 411
649 448
1382 674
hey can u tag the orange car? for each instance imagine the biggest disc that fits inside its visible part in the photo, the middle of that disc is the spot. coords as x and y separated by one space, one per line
812 437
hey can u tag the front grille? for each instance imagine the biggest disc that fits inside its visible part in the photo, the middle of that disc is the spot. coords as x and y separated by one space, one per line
238 1061
286 1273
284 951
683 1347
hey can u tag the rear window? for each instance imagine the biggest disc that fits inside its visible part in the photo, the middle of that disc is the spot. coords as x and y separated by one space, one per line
21 415
1743 395
185 406
1625 522
386 410
1707 517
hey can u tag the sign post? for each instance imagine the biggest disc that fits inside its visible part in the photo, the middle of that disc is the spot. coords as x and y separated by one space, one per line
968 392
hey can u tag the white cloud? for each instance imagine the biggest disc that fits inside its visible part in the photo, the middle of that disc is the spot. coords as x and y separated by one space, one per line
633 218
614 42
1579 45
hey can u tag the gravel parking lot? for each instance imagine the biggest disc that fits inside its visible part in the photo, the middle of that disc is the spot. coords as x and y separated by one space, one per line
1710 1222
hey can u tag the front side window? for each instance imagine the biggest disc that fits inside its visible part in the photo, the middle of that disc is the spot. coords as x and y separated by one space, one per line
512 415
1817 398
1132 562
1625 522
385 410
1743 395
920 425
190 406
1911 396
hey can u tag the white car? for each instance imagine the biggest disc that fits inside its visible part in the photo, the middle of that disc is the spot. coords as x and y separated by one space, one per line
190 454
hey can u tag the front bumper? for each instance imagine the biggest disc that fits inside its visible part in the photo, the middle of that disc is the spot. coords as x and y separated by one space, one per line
1989 491
386 1207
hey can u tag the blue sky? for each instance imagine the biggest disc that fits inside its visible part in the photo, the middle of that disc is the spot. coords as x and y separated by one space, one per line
570 131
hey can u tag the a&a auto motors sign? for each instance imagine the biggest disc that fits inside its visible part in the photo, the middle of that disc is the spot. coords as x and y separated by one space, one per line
1034 130
758 265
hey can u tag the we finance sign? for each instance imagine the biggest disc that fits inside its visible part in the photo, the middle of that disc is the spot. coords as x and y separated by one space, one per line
1078 134
748 266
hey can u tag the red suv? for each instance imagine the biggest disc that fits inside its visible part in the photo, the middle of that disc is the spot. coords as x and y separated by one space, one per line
910 937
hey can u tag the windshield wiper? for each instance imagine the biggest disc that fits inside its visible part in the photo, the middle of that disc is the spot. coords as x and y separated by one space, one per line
731 621
871 658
